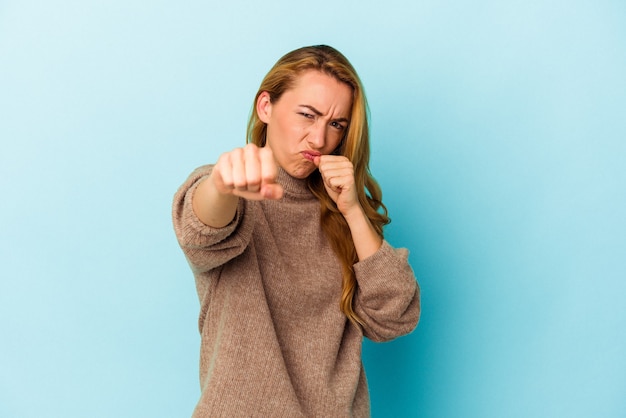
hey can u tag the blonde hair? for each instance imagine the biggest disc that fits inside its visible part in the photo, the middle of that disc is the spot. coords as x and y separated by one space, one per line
355 146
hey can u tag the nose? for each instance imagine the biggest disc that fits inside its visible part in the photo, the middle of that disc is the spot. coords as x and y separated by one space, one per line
317 135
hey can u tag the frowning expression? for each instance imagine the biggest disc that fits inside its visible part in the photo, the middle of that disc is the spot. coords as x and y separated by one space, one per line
308 120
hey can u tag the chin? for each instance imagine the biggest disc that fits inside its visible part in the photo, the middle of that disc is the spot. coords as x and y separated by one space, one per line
300 172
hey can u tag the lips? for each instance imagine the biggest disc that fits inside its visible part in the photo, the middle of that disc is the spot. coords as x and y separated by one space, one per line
310 155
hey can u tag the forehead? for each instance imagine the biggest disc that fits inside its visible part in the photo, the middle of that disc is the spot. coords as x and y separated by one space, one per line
320 89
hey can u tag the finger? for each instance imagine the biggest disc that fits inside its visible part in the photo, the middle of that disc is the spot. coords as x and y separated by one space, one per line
222 173
272 191
337 175
337 170
238 169
338 183
269 170
252 168
333 159
331 162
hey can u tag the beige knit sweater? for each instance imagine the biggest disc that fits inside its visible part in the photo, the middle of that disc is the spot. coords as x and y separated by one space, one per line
274 342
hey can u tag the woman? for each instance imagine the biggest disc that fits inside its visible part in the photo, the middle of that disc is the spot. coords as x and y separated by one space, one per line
284 238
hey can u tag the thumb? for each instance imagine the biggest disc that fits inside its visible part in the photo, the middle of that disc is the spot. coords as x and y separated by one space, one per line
272 191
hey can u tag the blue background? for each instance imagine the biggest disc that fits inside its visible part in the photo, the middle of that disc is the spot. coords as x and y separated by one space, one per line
499 133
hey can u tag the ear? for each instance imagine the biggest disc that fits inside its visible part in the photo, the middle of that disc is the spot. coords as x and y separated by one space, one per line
264 107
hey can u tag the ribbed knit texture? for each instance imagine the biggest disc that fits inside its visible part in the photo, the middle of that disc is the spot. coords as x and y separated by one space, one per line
274 342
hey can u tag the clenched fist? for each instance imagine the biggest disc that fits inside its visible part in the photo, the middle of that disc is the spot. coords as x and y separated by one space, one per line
338 176
249 172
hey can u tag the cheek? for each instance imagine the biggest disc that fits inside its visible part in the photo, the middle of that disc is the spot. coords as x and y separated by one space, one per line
280 138
334 139
289 130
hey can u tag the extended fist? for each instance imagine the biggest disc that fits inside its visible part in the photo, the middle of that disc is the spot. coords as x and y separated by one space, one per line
249 172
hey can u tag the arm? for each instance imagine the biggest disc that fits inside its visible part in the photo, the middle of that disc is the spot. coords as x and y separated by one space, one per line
212 207
206 247
338 175
212 211
366 239
388 297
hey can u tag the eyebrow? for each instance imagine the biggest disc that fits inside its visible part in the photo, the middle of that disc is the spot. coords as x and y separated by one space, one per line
318 113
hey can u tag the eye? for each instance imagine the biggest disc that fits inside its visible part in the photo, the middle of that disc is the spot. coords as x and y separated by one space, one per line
307 115
337 125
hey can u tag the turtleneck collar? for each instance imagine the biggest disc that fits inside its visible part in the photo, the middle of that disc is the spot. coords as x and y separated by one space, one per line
293 186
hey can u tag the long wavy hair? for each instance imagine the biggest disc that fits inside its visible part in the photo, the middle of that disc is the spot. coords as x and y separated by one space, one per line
354 145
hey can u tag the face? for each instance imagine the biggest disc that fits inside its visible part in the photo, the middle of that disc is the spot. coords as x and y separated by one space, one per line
308 120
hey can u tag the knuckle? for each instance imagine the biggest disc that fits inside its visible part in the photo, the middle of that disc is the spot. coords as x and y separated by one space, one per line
236 154
254 180
250 149
265 152
240 185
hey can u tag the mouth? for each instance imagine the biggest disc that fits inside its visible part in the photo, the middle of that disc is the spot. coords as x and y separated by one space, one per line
310 155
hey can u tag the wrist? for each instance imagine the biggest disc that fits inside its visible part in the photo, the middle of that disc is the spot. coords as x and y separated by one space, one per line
366 240
354 214
216 184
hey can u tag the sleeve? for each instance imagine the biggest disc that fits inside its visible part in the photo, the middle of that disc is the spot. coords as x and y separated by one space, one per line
205 247
388 295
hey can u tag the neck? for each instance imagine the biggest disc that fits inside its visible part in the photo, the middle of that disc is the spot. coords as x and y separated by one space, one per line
293 186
